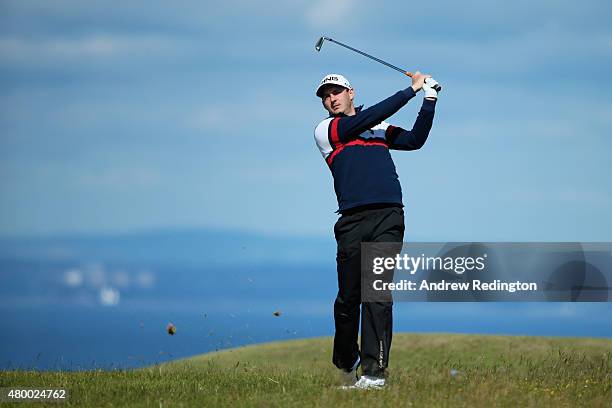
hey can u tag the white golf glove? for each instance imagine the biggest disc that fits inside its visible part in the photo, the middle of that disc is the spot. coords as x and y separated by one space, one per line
428 88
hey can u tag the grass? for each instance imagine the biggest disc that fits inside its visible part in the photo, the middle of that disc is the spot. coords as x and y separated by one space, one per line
504 371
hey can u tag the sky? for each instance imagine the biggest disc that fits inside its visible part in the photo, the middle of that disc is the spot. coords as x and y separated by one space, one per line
201 114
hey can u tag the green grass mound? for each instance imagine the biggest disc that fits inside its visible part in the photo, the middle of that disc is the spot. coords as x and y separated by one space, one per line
486 371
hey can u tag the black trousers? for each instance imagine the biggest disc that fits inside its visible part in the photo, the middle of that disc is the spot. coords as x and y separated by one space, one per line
384 224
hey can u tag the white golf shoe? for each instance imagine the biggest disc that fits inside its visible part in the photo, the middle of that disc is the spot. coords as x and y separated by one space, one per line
367 382
349 378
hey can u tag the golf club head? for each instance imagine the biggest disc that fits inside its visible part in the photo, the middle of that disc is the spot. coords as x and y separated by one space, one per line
319 44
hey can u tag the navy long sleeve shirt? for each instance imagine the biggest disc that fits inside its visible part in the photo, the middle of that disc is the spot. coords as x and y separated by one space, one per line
356 149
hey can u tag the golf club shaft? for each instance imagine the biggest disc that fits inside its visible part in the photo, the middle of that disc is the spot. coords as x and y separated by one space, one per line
403 71
438 88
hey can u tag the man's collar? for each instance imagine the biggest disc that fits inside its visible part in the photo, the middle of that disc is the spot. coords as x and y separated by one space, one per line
341 114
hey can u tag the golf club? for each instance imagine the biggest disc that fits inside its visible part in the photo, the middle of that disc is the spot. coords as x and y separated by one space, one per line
319 44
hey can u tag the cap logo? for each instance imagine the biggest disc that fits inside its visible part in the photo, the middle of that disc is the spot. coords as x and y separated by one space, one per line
333 79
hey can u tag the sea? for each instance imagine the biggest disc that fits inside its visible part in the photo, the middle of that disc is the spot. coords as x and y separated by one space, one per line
106 303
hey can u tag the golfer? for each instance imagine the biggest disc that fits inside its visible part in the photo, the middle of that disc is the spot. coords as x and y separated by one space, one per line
355 144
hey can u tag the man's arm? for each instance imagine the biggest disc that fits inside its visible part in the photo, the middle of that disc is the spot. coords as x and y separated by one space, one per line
401 139
349 127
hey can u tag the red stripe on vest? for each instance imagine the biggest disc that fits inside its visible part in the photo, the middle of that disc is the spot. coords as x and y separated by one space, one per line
335 139
357 142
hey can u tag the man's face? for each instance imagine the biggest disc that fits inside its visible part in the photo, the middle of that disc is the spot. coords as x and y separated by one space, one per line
337 99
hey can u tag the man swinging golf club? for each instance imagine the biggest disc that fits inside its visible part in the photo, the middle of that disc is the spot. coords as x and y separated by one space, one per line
355 144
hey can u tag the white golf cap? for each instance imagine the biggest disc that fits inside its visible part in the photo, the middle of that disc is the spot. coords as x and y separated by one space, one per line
333 79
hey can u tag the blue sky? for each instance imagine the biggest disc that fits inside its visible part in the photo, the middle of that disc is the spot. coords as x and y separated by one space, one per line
146 114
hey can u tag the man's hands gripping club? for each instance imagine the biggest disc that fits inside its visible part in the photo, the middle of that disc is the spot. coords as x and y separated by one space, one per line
425 82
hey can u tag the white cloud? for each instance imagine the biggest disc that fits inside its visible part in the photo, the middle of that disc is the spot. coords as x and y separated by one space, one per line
122 178
209 118
337 13
525 49
100 46
573 197
259 108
